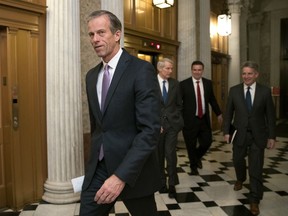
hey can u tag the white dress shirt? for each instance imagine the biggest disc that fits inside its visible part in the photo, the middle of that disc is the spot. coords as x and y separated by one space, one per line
202 94
112 66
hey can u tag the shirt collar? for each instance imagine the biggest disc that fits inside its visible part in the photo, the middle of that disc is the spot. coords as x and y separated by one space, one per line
161 79
114 61
195 80
252 87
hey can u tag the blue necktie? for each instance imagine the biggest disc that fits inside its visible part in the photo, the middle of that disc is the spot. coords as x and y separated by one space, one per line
248 99
164 93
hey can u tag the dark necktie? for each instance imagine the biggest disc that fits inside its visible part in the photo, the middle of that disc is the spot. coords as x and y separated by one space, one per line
105 87
248 99
199 101
164 93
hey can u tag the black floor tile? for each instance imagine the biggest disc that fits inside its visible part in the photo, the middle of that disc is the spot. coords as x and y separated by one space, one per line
210 204
238 210
211 178
164 213
9 213
173 206
186 197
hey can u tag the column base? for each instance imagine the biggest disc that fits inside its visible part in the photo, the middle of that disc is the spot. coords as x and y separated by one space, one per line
60 193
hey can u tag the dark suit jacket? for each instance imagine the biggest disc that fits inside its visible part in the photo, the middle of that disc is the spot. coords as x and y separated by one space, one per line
129 126
171 111
190 103
261 120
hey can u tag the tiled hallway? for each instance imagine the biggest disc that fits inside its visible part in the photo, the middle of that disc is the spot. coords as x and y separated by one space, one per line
209 194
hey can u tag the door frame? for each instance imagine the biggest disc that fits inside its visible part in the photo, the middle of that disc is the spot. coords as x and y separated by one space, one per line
25 24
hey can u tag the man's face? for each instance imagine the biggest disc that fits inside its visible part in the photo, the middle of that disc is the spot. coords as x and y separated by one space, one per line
249 75
197 71
104 42
166 71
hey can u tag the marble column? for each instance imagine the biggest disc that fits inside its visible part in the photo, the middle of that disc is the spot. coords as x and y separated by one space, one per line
64 107
234 43
187 35
204 37
117 8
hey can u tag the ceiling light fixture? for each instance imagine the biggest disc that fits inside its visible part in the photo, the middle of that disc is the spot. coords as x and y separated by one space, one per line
163 3
224 21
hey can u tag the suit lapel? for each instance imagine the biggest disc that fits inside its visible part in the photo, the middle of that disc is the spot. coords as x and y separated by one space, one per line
170 89
241 92
257 96
205 86
119 70
92 89
161 96
191 86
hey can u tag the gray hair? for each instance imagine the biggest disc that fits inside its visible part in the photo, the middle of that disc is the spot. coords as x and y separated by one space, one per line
161 63
250 64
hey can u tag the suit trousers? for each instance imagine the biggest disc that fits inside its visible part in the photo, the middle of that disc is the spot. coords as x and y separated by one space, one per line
255 166
167 150
141 206
200 133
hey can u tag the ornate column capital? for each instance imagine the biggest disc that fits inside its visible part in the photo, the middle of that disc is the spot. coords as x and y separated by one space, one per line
235 6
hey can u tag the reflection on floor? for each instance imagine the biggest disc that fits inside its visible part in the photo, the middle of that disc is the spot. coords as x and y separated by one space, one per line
209 194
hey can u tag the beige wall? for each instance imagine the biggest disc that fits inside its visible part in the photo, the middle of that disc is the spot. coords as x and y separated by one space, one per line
89 58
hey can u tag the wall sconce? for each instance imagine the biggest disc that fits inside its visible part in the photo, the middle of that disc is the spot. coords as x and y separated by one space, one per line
224 22
163 3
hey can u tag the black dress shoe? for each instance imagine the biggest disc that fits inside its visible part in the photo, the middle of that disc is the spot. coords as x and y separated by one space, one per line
254 208
194 171
172 191
163 189
199 164
238 185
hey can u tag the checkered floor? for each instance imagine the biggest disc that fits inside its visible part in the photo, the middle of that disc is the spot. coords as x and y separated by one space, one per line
211 193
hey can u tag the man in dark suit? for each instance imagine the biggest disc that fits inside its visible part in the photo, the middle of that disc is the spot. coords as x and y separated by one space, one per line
197 94
125 127
250 109
171 124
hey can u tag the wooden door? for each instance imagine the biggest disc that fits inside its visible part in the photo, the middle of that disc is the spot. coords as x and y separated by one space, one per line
22 146
3 118
220 84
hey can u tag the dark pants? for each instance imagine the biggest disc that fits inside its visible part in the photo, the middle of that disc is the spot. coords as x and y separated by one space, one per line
167 150
142 206
255 166
200 132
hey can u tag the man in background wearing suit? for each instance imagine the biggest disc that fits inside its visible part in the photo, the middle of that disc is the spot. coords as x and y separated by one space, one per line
251 110
171 124
197 94
125 125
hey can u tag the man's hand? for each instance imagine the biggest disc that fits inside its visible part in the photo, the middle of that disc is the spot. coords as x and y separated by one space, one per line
226 138
270 143
220 119
110 190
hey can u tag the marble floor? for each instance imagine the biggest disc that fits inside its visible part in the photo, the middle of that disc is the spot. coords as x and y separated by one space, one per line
208 194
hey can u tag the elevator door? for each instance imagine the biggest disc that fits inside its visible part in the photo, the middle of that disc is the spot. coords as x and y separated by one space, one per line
21 151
